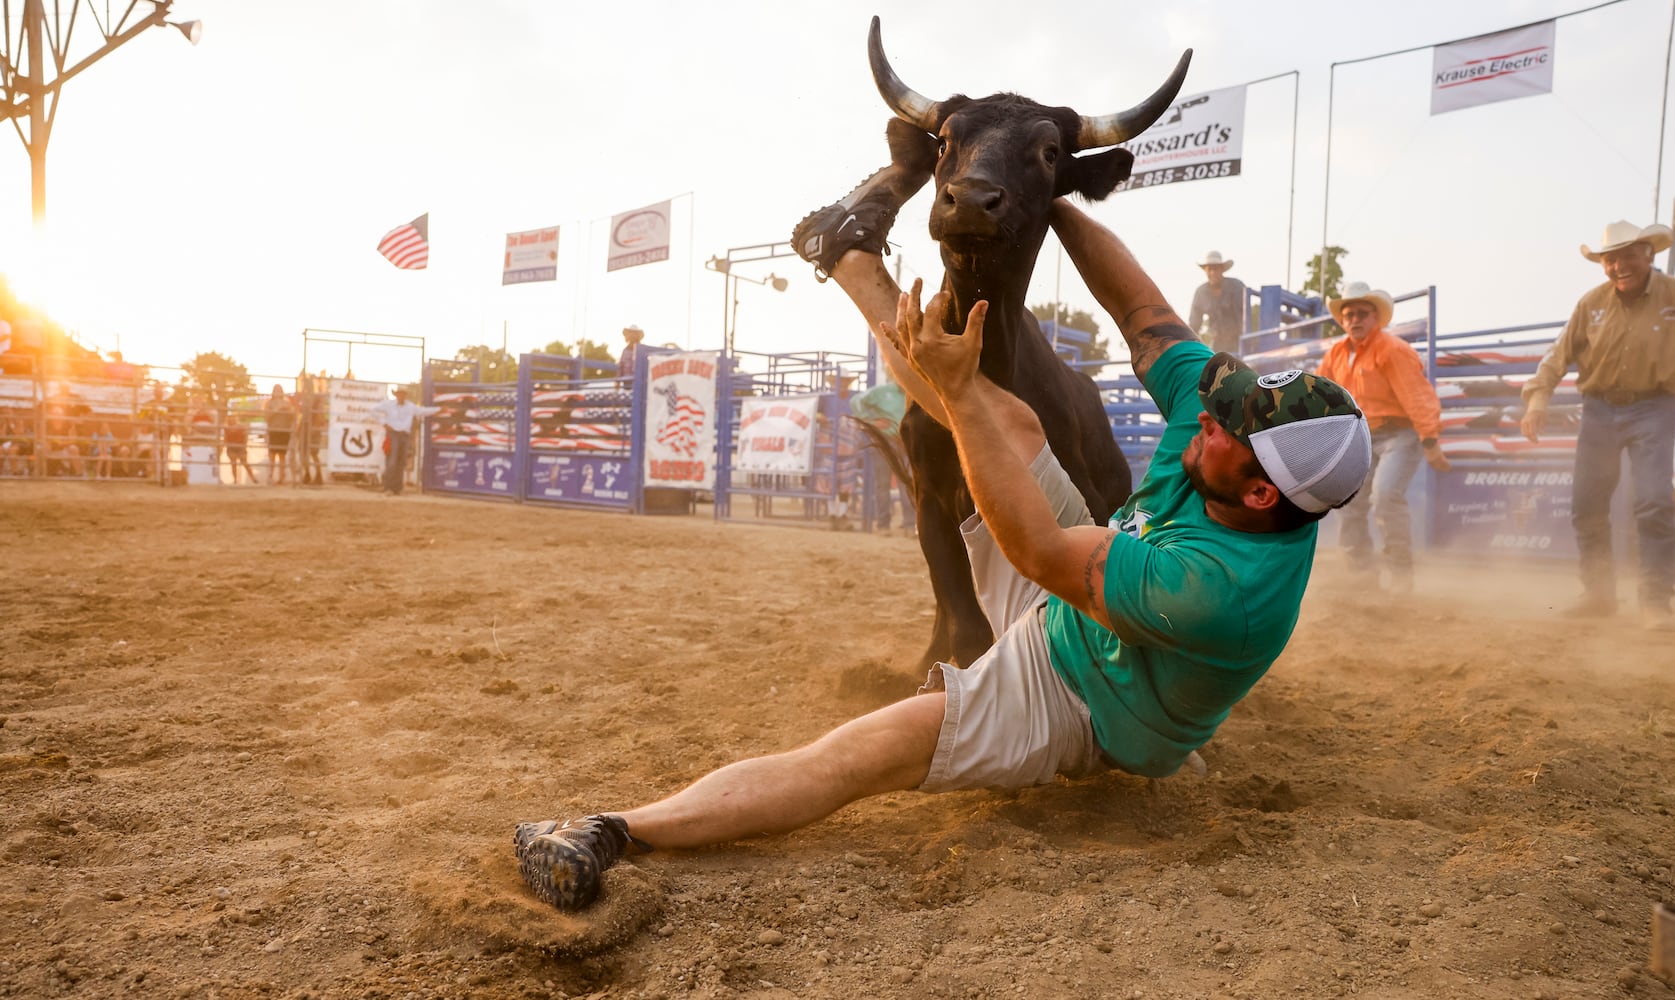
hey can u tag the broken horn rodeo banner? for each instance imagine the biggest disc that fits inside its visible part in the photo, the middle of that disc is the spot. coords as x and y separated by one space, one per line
1201 137
531 256
680 420
1489 68
639 237
776 434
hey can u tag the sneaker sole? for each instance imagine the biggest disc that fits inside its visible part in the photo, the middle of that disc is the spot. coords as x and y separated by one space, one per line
560 874
527 832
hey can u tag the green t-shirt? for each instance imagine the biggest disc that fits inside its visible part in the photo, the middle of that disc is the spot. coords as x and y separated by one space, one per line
1200 610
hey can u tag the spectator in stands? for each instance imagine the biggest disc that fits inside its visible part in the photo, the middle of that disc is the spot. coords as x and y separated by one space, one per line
235 434
63 449
631 335
151 433
102 449
1384 374
1219 306
397 416
17 446
282 420
1625 363
202 439
316 424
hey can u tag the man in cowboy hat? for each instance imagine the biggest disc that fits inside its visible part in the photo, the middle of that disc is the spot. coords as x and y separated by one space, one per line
1621 338
1219 306
631 337
1384 374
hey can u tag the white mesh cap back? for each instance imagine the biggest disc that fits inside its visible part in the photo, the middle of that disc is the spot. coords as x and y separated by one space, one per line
1318 463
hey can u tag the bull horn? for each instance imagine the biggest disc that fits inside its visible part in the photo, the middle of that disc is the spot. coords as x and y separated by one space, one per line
908 104
1108 130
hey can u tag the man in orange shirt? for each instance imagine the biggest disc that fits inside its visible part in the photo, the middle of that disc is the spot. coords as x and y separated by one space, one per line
1384 374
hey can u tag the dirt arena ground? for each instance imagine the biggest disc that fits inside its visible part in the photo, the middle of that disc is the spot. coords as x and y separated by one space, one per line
272 743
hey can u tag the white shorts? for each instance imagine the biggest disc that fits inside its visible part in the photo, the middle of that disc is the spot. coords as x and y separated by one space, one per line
1010 720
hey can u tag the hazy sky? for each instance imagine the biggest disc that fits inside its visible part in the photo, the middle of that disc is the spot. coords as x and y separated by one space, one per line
228 196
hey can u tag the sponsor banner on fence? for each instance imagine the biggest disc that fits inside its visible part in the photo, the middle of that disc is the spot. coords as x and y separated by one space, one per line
579 479
471 470
531 256
1200 137
357 437
639 237
1489 68
776 434
1521 511
680 420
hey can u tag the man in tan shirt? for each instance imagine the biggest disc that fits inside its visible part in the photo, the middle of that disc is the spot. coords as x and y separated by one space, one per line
1621 339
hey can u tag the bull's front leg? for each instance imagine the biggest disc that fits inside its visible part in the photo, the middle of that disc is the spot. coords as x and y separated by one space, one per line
962 632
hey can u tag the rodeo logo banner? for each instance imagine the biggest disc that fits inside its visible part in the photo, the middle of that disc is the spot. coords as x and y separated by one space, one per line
680 420
1201 137
356 433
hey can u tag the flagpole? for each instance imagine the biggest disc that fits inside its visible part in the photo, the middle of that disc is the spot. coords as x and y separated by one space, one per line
1291 205
1663 118
1326 199
692 255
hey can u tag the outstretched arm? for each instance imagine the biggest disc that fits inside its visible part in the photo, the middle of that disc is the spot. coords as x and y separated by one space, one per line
998 436
1121 286
863 278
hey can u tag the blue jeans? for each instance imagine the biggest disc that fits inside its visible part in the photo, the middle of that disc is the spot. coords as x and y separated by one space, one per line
1647 430
1396 457
395 463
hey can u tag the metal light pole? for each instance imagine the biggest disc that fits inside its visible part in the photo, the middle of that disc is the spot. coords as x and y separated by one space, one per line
724 267
25 92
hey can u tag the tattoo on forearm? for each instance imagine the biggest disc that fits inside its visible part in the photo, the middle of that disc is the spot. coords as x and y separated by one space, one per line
1148 344
1093 575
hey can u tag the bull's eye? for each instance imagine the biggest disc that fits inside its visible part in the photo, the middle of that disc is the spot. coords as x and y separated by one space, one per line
941 147
1050 155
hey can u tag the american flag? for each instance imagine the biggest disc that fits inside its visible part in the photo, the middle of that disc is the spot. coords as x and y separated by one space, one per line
408 246
681 423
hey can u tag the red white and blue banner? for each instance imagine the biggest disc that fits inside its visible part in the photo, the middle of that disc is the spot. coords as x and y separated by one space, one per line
639 237
680 420
777 434
1201 137
530 256
1488 68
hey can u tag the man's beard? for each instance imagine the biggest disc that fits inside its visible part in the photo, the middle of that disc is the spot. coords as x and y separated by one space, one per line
1194 468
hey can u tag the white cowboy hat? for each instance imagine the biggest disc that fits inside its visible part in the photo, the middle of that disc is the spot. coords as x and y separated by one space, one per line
1620 234
1357 291
1213 259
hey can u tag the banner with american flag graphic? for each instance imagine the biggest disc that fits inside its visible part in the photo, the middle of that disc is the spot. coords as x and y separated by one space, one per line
408 246
680 420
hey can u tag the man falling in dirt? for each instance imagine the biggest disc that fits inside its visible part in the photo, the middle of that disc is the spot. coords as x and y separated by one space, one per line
1121 647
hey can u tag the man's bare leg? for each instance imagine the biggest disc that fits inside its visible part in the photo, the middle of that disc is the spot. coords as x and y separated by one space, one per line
888 750
885 751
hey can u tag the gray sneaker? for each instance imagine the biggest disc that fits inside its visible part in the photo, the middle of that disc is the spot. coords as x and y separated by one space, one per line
565 865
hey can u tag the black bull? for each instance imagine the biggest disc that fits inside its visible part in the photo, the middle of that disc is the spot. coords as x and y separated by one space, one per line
1000 162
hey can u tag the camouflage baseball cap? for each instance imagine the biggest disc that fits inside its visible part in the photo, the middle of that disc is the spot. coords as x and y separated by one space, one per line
1308 434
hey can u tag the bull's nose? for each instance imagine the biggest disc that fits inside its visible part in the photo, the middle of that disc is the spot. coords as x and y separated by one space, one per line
974 196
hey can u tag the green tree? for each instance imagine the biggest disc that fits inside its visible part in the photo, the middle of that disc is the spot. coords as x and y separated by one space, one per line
218 375
584 348
1333 284
1099 349
496 364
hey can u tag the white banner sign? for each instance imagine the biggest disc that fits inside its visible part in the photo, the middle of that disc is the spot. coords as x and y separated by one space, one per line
680 420
777 434
530 256
357 438
639 237
1200 137
1489 68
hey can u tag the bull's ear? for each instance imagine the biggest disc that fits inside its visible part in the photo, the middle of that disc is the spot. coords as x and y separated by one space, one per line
1095 175
910 146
